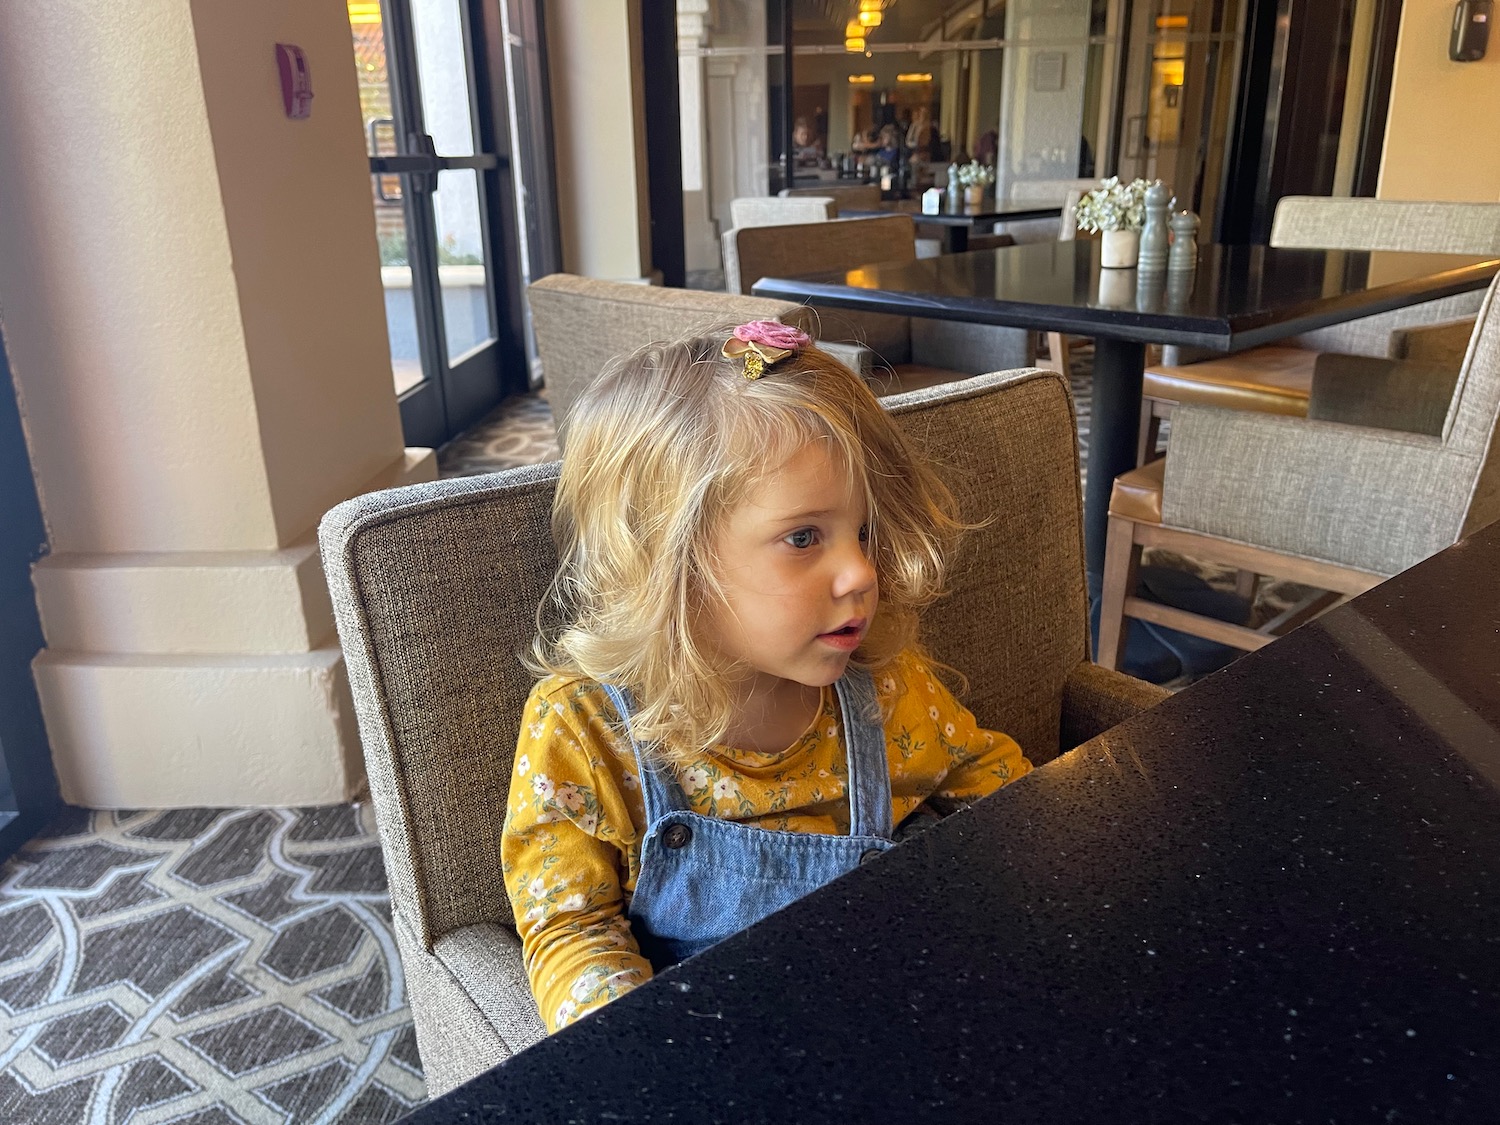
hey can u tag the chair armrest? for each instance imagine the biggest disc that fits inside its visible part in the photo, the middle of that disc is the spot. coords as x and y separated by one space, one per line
1375 500
973 349
1095 699
1436 345
485 961
1384 393
856 357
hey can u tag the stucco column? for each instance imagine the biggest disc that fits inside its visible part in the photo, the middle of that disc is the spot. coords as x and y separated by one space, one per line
599 137
191 295
1041 110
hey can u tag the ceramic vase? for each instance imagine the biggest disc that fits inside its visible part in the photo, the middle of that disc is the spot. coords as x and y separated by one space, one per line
1120 250
974 195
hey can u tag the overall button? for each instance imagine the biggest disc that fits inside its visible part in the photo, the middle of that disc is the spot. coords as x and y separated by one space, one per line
677 835
865 857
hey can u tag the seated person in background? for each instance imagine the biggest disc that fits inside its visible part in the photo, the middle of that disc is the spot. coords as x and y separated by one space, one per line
807 149
921 135
736 708
986 147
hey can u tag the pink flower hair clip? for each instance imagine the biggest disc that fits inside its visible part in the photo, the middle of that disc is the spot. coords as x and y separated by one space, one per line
764 343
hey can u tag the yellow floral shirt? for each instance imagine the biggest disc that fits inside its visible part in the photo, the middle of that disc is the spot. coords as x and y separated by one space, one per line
571 847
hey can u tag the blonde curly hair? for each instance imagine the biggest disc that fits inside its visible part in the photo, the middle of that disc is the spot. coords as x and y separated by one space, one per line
661 447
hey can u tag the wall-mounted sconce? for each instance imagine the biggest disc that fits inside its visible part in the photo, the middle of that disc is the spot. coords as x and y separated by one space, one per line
861 80
1471 30
914 77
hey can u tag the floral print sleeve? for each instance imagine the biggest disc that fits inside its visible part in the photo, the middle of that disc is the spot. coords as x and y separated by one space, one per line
929 730
563 850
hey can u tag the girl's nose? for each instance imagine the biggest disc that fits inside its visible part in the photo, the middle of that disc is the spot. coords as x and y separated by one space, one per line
856 572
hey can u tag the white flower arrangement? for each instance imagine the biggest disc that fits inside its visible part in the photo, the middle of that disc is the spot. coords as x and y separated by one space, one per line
972 174
1113 206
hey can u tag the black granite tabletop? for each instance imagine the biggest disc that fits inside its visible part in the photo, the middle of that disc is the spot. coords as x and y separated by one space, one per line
1237 295
1273 898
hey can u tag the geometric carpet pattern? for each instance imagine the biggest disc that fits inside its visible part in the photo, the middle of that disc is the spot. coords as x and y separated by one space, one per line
519 431
203 967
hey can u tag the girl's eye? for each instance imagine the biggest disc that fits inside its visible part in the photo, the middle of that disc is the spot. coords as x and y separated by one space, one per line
802 538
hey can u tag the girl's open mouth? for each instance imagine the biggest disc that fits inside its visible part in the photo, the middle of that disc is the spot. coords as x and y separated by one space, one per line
846 637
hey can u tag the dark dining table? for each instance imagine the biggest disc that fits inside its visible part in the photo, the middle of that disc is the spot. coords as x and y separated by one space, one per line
960 220
1274 897
1236 297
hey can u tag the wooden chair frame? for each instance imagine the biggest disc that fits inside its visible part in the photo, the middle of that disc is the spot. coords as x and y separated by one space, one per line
1119 603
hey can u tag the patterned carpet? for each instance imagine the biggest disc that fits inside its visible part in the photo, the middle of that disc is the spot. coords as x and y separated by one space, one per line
202 967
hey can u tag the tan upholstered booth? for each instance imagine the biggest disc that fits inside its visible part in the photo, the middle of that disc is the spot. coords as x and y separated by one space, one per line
436 588
903 352
582 323
1337 506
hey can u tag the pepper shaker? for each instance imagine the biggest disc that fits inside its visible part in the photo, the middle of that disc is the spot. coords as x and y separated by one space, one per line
1184 255
1154 233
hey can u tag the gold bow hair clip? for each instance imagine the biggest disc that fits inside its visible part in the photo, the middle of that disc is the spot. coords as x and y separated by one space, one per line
762 344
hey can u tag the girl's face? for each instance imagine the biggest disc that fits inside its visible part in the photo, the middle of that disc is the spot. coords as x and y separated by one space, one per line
794 566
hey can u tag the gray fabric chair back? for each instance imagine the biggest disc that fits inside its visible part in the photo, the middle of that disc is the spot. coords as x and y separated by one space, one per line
1472 418
1063 229
788 251
581 324
849 197
1386 224
776 210
436 587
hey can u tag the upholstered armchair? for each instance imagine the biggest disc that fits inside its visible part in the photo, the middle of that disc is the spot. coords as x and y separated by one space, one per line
848 197
1277 378
902 353
582 323
1334 505
435 591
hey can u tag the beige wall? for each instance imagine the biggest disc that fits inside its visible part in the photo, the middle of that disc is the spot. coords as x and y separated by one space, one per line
1442 136
297 198
190 293
598 122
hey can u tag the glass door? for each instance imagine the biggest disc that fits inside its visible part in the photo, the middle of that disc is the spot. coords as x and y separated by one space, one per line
433 179
1179 97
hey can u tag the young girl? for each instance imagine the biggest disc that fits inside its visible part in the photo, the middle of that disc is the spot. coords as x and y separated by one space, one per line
736 710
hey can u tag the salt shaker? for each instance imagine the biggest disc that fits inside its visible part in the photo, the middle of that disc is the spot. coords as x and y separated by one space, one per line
1184 254
1154 233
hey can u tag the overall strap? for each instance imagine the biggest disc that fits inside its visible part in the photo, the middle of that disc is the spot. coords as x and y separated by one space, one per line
864 750
659 789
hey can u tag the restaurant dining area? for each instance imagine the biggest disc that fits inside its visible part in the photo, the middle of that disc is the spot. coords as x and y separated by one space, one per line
749 560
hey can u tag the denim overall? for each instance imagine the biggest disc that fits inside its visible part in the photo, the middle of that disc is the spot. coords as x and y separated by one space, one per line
702 879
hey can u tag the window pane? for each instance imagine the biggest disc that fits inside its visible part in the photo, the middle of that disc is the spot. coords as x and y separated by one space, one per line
463 273
390 214
443 75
